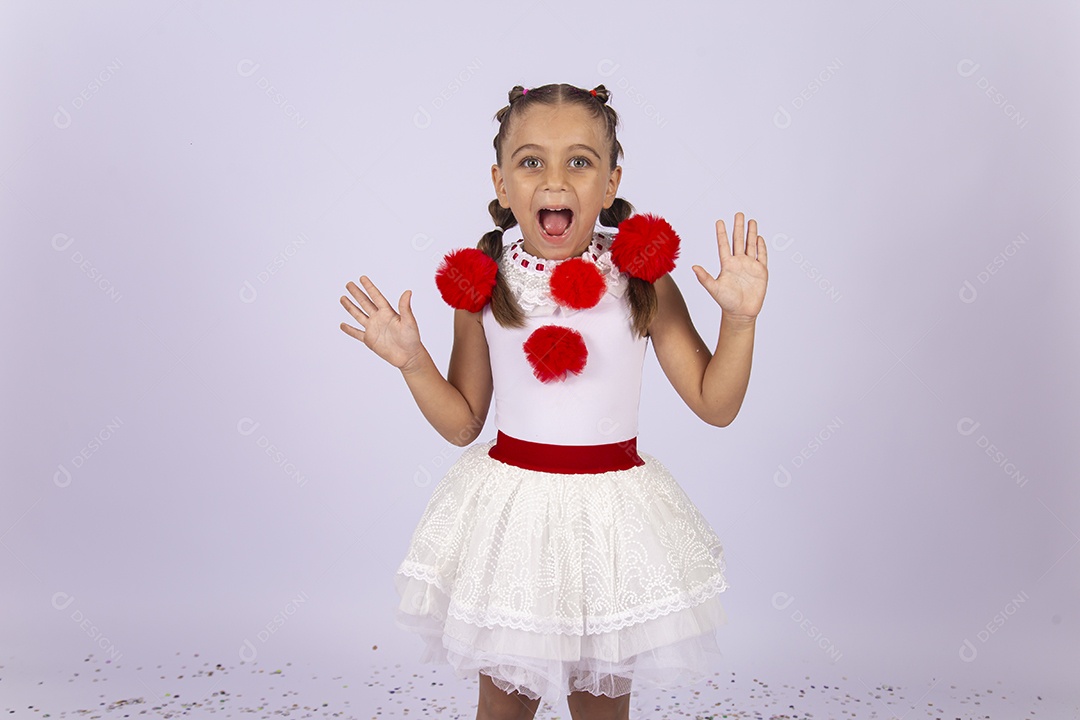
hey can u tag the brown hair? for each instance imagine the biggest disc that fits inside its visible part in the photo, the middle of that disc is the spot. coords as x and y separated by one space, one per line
641 293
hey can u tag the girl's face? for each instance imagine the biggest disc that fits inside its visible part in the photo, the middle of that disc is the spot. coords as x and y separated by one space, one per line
556 178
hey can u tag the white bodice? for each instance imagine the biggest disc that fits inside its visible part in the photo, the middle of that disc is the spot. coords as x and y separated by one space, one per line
597 406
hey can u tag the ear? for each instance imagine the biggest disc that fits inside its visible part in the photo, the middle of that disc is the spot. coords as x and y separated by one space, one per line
500 186
612 186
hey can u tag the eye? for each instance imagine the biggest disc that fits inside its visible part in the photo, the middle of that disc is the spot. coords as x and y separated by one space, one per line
584 162
528 160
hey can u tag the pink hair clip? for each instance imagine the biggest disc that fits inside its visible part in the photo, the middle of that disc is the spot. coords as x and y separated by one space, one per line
525 91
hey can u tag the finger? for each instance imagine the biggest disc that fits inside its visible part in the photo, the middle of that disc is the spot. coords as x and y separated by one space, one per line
352 332
738 239
362 299
356 312
405 307
762 253
376 296
751 237
721 241
704 277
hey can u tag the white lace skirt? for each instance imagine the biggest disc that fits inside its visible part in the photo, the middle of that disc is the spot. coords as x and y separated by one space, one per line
554 583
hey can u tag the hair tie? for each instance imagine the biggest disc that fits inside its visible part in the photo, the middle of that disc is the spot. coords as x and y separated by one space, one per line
646 247
593 93
497 229
466 278
525 91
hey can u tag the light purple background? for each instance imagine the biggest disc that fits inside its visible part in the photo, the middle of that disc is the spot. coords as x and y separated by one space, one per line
193 451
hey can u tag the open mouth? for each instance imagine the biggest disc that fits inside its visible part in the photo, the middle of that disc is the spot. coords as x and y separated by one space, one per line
555 222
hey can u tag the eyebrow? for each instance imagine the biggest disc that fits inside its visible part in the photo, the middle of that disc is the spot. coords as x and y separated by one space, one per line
577 146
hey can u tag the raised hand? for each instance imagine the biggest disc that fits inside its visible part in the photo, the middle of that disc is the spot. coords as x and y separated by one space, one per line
392 336
739 289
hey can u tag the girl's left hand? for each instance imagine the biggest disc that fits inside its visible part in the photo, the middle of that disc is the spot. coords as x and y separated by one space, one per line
739 289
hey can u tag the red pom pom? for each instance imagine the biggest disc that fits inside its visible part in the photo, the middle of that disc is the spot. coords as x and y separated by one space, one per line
465 278
646 247
553 351
577 283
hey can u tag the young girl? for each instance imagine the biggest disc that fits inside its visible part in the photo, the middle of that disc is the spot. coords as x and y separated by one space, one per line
555 559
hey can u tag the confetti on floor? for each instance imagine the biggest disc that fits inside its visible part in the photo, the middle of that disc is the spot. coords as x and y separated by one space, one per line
194 686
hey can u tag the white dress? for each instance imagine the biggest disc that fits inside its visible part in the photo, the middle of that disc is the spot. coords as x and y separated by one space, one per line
555 582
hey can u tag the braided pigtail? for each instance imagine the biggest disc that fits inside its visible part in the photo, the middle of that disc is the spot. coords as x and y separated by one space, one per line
640 293
620 210
503 305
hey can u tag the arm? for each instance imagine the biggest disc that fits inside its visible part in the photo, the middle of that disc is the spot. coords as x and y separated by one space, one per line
456 406
713 386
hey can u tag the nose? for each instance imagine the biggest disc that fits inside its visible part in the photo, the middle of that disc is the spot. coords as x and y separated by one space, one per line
554 178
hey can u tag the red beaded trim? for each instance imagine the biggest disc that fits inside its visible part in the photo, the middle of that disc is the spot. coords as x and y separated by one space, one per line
565 459
525 263
540 266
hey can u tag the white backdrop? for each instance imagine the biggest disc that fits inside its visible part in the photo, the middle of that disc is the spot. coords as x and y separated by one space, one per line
196 456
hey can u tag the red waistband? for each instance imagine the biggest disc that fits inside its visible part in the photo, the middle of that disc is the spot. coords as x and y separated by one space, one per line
567 459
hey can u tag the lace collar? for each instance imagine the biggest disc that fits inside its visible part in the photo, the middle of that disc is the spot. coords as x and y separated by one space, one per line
528 275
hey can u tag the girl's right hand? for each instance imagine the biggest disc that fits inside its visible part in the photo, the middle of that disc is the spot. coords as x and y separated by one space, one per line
393 337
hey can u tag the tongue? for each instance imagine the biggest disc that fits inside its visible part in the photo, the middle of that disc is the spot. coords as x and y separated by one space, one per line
555 222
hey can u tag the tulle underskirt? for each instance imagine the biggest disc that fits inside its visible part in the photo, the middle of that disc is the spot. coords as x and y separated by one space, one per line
556 583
